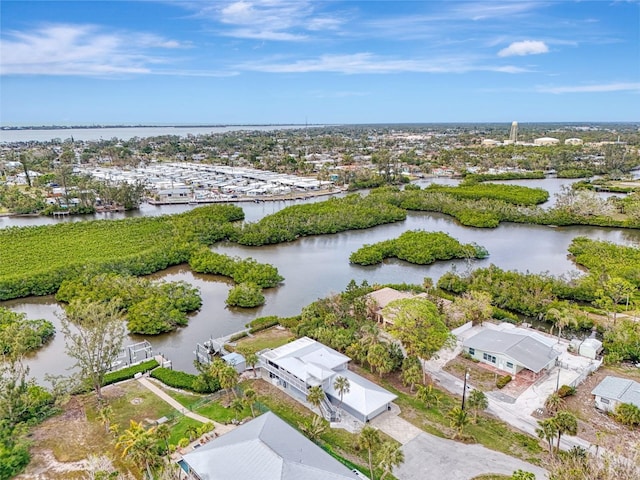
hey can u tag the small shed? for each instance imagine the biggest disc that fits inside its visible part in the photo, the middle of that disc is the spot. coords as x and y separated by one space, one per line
613 391
236 360
590 348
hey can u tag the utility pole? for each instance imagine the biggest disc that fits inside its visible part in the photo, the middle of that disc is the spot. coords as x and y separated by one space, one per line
464 388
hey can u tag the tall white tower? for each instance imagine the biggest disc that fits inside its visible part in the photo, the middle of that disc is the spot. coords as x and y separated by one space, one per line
513 136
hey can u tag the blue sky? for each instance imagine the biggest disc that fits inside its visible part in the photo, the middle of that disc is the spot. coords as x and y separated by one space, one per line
277 61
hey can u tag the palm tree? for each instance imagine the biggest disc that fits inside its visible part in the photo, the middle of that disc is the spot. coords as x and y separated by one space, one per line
313 428
251 358
390 455
191 431
228 378
458 419
566 423
428 395
163 432
106 416
238 405
554 402
477 401
368 440
250 396
315 395
547 431
342 386
139 445
411 372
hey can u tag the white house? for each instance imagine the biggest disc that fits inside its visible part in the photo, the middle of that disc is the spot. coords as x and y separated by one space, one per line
512 350
305 363
612 391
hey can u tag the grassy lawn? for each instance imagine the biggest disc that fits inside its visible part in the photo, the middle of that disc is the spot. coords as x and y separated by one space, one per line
215 411
180 427
131 401
185 399
271 338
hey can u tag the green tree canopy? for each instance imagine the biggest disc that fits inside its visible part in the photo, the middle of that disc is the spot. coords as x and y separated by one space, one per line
418 325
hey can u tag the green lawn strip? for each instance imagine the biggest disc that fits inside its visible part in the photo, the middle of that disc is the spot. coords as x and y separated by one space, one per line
186 399
179 429
221 414
272 338
491 433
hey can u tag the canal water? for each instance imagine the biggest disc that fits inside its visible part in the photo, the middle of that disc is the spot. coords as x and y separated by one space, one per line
315 267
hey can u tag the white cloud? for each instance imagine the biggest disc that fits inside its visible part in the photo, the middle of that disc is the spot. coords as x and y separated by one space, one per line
604 87
526 47
368 63
80 50
277 20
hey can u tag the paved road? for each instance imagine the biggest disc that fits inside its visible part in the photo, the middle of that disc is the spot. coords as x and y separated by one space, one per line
427 456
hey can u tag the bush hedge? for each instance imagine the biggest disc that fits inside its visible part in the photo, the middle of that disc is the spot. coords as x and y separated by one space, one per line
566 391
182 380
129 372
262 323
503 380
237 336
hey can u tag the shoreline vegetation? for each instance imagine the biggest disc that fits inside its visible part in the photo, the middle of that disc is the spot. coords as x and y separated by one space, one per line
37 259
417 247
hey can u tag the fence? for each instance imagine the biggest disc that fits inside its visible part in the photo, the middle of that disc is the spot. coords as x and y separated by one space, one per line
585 373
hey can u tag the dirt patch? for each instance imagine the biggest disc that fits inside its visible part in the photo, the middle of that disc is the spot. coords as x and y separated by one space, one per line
596 426
63 445
481 378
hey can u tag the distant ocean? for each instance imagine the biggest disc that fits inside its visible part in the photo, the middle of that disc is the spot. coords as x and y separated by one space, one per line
124 133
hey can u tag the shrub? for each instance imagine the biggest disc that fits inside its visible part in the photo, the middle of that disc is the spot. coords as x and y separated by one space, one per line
237 336
246 295
290 322
566 391
263 323
503 380
182 380
129 372
627 414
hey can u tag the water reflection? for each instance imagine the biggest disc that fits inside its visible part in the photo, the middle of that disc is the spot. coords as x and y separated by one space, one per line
315 267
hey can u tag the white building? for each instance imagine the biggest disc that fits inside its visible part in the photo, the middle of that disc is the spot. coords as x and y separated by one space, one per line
305 363
546 141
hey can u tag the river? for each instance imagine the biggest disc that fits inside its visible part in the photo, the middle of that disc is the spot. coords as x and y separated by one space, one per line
315 267
125 133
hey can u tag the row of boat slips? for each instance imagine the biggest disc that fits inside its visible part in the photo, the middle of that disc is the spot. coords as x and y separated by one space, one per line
193 175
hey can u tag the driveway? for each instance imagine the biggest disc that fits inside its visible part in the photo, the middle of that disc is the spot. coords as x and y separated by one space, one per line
427 456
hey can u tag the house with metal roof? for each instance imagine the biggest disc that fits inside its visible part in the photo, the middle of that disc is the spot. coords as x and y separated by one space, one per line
266 448
304 363
512 350
612 391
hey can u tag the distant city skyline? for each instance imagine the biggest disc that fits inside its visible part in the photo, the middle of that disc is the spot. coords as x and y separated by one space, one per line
321 62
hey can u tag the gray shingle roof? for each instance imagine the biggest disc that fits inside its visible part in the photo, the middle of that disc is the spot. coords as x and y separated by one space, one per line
266 448
619 389
527 350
